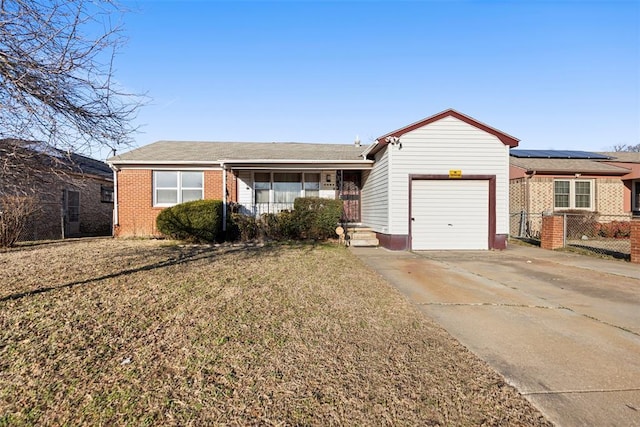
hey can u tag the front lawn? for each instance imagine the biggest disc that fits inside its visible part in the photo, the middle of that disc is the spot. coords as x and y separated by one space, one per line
137 332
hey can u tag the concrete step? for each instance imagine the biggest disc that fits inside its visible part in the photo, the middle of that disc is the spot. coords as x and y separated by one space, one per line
362 237
364 243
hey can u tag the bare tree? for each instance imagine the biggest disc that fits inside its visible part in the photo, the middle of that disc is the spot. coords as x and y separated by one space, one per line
57 78
627 148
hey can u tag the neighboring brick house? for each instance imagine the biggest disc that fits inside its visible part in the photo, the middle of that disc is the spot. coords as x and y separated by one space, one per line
631 180
439 183
573 181
74 192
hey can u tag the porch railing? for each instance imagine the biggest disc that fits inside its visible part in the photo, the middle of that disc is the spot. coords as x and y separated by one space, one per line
264 208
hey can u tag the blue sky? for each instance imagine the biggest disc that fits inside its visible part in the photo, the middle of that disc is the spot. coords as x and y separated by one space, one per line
555 74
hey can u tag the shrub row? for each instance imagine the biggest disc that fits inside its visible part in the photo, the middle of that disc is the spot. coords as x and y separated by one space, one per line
201 221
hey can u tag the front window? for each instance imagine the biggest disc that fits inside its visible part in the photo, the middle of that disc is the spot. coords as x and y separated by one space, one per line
312 185
573 194
636 196
262 185
287 187
173 187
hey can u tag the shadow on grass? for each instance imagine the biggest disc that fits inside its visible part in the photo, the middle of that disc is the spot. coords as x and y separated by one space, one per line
186 255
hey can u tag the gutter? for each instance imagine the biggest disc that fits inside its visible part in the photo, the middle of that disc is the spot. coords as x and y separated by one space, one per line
224 197
222 162
116 218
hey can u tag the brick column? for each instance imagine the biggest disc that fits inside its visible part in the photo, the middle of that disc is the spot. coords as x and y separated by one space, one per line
635 240
552 232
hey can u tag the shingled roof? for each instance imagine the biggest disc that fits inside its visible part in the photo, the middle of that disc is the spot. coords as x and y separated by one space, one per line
584 166
216 152
623 156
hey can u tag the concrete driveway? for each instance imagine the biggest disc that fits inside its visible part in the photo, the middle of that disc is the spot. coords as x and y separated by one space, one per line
563 329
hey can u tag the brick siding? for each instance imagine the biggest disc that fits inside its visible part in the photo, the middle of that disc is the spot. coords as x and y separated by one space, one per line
635 240
136 213
552 232
609 195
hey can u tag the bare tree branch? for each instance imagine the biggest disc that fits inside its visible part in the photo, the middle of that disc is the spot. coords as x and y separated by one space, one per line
56 75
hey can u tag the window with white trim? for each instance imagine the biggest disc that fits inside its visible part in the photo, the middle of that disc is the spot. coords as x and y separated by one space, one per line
573 194
173 187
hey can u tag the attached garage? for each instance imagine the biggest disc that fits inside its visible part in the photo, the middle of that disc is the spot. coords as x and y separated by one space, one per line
439 183
452 213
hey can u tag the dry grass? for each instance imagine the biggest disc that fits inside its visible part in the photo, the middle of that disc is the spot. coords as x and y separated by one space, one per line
149 333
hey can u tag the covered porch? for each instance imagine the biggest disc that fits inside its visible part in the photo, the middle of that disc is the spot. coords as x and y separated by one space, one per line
269 191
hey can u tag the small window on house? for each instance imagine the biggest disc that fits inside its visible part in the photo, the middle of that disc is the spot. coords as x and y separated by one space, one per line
561 194
636 196
287 186
573 194
106 194
312 185
172 187
262 185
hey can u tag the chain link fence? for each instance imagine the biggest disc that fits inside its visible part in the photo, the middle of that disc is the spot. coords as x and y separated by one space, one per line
601 234
526 226
46 224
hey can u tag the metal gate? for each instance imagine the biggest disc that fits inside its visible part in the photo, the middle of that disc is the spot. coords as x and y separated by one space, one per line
349 192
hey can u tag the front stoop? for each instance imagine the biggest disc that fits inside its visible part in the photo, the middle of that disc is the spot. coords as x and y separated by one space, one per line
362 237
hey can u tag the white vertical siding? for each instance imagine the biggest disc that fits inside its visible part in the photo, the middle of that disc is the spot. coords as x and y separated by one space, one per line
374 197
437 148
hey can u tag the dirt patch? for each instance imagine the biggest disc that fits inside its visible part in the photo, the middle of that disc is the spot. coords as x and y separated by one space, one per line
144 332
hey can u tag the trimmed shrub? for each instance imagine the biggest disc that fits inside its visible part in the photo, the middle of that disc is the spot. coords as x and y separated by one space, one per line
196 221
315 217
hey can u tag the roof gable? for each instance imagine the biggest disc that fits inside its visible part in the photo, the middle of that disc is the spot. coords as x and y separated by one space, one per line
505 138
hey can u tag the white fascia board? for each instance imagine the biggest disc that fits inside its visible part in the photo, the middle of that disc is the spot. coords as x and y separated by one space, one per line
366 152
164 162
270 161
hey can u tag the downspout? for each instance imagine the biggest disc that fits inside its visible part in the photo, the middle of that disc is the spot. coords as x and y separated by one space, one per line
115 199
224 196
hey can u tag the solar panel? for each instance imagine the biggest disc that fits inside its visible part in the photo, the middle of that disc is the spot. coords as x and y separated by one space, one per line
558 154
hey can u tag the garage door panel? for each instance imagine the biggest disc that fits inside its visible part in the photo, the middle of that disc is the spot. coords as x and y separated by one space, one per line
450 214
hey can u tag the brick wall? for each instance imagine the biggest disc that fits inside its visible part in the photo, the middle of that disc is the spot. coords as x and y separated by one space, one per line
610 196
635 240
552 232
136 214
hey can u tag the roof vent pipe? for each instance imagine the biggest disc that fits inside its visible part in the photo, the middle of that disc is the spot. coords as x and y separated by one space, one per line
357 141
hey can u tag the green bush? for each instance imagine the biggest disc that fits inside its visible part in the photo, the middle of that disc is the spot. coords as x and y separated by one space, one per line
197 221
316 218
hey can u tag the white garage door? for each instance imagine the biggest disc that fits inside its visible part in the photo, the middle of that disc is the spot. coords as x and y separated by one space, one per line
450 214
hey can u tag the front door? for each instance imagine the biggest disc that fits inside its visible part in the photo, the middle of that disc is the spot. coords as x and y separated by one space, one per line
349 192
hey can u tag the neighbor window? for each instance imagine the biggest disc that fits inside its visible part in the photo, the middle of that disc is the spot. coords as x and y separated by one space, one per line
172 187
106 194
573 194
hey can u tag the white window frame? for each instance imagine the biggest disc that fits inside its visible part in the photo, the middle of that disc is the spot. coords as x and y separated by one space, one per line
178 189
572 194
